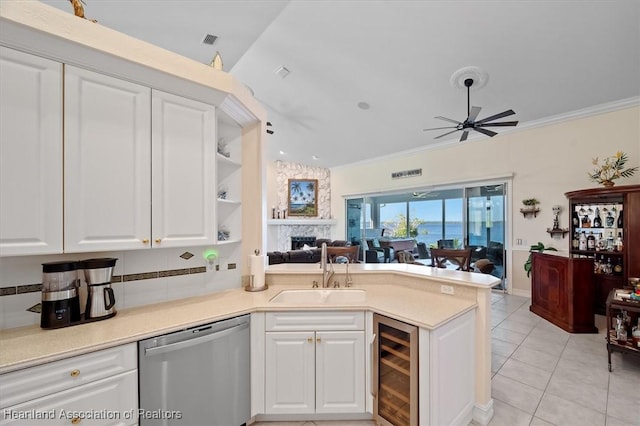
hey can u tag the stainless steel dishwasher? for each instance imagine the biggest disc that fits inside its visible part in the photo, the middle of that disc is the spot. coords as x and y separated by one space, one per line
197 377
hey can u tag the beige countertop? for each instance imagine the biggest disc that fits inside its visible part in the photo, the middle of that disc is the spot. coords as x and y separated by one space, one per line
407 301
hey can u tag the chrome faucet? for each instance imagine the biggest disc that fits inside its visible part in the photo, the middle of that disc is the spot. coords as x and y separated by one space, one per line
348 282
327 274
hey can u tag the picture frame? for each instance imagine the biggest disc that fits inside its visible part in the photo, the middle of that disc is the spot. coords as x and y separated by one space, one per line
302 197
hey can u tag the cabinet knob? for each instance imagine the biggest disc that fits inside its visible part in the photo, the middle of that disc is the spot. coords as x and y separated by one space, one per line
158 240
76 420
318 340
75 373
145 241
309 339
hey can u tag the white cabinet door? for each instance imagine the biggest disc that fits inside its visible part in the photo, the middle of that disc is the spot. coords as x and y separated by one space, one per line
183 168
107 166
110 401
290 373
340 372
30 154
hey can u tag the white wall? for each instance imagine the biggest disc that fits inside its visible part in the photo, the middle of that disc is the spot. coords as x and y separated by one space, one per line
545 161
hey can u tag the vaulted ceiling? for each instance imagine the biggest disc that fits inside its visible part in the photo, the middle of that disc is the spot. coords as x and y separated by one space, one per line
543 59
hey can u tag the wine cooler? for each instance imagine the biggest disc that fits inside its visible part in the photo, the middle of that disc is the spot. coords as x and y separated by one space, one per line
395 372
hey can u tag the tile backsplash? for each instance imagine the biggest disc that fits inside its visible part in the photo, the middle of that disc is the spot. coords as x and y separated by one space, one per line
140 277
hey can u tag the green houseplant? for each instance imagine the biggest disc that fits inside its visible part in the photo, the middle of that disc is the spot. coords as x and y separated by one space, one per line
539 247
530 203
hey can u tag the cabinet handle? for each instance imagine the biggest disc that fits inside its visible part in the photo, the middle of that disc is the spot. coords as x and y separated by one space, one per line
75 373
309 339
318 340
158 240
145 241
76 420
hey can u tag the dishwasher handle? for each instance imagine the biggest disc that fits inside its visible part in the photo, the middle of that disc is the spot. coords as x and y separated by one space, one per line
193 341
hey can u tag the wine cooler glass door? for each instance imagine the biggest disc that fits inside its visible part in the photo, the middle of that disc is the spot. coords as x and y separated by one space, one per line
396 375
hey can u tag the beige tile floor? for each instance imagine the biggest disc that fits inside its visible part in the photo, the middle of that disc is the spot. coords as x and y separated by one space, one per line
544 376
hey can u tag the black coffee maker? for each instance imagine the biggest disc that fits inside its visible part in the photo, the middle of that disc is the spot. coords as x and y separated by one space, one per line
60 298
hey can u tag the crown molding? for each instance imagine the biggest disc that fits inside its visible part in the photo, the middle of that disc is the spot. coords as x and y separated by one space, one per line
543 122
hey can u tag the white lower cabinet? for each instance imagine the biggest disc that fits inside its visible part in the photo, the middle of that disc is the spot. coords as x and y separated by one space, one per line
99 388
447 372
316 367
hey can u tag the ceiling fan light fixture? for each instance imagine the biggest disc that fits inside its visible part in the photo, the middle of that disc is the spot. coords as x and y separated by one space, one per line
479 76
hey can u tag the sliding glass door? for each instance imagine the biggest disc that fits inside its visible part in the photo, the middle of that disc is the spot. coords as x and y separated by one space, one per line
485 231
448 217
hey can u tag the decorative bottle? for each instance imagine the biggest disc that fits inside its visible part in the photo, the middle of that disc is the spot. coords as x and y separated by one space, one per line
575 219
597 222
620 220
617 268
619 244
586 222
583 242
609 220
575 243
591 241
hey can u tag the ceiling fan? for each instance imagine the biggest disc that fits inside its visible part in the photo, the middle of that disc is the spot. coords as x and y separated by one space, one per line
470 122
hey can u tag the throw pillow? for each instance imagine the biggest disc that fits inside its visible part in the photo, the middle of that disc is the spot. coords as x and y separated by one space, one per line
375 243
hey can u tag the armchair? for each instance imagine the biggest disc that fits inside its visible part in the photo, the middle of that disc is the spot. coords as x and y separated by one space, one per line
388 252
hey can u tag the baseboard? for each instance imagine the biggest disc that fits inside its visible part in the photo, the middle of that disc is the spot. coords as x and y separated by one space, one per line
522 293
482 415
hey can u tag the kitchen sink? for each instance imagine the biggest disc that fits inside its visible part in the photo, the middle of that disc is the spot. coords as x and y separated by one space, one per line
320 296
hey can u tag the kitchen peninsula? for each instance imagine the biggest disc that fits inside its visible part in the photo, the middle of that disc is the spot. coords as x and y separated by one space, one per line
409 293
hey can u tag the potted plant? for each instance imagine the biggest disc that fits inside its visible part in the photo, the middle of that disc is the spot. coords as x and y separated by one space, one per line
536 247
530 206
611 169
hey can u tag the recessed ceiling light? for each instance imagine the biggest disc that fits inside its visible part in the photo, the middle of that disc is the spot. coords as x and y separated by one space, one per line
315 157
363 105
282 152
282 71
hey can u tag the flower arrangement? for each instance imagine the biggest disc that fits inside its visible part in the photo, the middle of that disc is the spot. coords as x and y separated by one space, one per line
611 169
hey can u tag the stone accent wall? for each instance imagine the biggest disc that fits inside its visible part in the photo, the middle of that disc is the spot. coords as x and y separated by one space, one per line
286 171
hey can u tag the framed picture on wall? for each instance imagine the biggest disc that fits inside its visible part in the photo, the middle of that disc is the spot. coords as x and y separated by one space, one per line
303 197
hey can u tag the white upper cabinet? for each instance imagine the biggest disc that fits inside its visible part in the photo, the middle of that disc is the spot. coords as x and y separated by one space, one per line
183 169
30 154
107 166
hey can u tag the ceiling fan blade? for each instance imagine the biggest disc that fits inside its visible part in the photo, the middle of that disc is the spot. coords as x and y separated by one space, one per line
473 114
439 128
495 117
500 123
448 133
464 136
485 131
447 119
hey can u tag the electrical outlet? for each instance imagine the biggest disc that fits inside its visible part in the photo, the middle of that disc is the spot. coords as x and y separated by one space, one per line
231 266
446 289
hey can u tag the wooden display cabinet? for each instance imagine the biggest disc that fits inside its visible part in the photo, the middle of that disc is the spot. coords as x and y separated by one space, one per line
612 201
562 291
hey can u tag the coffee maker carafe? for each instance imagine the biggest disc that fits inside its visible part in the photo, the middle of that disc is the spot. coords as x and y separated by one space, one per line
60 299
100 298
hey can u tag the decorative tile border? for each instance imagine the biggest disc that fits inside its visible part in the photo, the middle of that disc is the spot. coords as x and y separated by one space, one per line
34 288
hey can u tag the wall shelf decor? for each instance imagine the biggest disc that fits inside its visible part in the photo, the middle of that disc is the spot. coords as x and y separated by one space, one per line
529 211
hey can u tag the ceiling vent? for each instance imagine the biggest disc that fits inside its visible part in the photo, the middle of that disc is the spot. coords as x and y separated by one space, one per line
282 71
209 39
